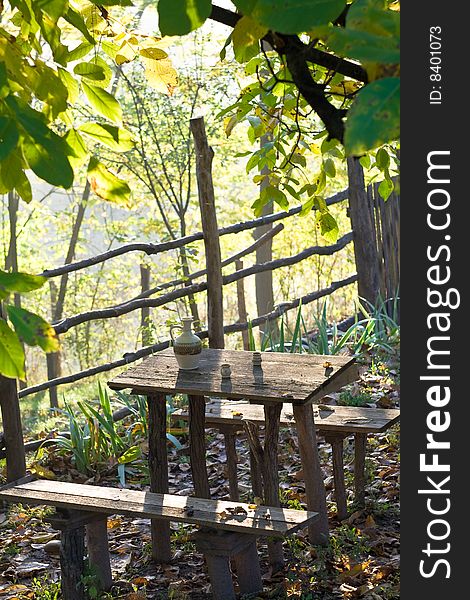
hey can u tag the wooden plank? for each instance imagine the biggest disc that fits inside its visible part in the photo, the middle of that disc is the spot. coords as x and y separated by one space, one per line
209 513
340 418
282 377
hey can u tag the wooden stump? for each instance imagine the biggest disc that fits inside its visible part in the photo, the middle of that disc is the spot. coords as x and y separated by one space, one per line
230 438
218 547
98 552
72 550
248 569
158 470
272 415
336 442
197 446
360 443
314 487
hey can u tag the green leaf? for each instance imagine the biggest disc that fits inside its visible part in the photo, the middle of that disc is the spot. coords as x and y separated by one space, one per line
328 226
80 51
329 167
11 353
382 159
79 152
54 8
8 136
116 138
183 16
291 16
76 19
362 45
90 70
45 151
386 188
19 282
374 117
103 102
106 185
245 37
33 329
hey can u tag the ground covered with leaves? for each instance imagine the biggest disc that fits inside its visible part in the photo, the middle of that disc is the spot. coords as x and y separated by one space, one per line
361 561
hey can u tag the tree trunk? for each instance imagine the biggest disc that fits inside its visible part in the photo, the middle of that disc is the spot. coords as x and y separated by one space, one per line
363 226
54 362
204 156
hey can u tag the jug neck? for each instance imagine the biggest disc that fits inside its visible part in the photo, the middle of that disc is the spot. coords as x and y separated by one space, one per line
186 323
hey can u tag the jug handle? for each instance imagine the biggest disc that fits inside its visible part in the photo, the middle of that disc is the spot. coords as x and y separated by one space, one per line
171 331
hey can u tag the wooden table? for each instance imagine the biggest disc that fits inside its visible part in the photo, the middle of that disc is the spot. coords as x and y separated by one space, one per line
298 379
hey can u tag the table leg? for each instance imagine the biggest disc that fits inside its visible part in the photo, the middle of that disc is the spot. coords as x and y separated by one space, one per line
337 442
272 415
197 446
360 443
230 439
158 470
314 487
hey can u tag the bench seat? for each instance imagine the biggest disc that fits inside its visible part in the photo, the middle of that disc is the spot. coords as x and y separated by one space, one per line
216 514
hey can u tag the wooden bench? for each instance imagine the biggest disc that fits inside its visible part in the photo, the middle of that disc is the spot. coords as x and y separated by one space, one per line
229 529
334 424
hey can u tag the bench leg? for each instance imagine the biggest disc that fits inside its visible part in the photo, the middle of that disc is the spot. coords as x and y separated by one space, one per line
248 569
360 443
230 439
272 415
220 576
72 550
197 446
314 487
218 547
336 442
98 552
158 470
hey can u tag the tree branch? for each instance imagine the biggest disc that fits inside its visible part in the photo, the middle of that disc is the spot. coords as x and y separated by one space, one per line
122 309
150 249
313 55
235 327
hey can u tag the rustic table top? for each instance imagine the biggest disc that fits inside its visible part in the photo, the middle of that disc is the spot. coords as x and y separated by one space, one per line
298 378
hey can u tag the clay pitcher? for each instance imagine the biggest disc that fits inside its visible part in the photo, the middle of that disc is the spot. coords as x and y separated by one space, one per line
187 346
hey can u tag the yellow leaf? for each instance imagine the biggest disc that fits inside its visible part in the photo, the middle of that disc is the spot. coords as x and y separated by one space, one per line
345 88
160 74
370 523
155 53
42 472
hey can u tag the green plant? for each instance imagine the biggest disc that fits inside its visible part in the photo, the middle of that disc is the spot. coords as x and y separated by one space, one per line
348 398
45 589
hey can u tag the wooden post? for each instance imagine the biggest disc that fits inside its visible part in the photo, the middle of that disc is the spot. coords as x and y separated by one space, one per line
314 487
242 314
98 552
336 442
197 446
248 569
72 550
272 415
145 311
12 429
158 469
204 156
363 226
360 443
230 438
